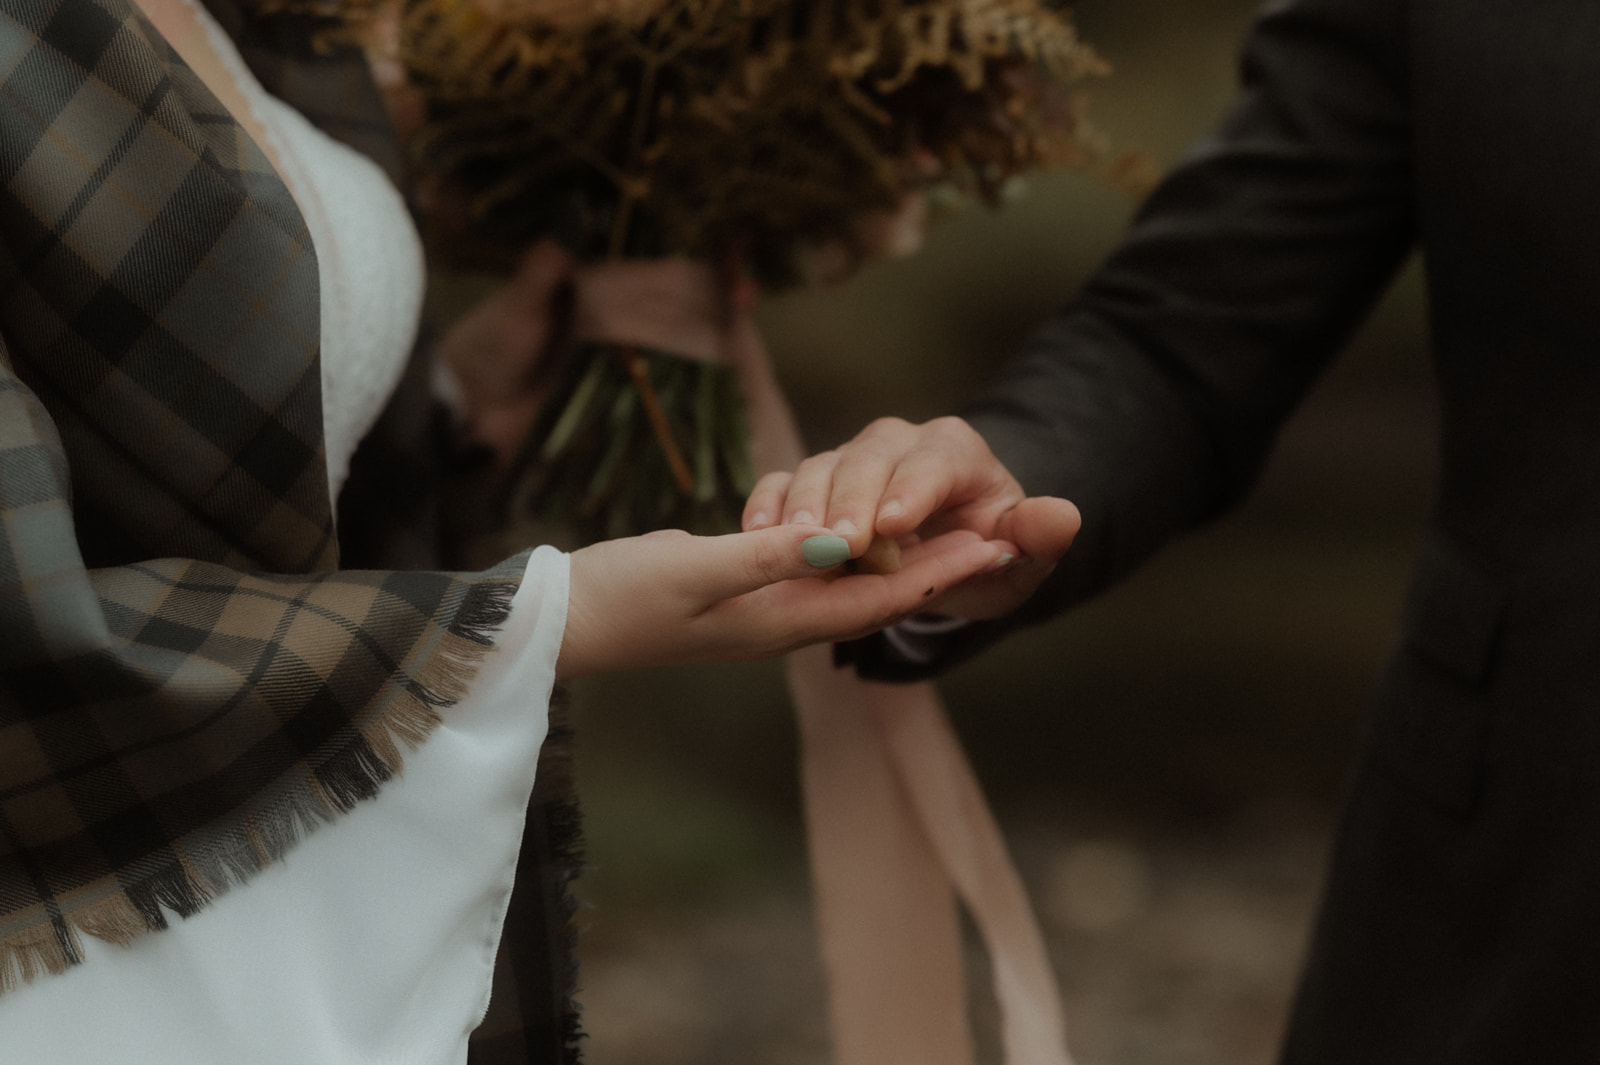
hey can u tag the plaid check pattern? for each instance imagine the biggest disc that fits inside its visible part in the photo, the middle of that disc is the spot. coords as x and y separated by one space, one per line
187 683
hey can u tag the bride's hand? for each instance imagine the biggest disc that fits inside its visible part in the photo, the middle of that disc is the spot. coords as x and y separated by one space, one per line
669 597
496 350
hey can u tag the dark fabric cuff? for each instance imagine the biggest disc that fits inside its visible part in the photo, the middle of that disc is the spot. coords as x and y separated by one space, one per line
917 649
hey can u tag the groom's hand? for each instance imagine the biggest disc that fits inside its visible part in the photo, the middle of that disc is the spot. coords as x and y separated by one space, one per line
900 480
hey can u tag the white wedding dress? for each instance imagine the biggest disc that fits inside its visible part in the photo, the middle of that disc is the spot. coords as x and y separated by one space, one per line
373 941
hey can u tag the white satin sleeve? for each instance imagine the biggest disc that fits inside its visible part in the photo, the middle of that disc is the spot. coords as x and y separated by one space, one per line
373 941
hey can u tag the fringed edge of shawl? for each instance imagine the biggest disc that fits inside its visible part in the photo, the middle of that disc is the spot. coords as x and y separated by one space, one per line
555 793
354 772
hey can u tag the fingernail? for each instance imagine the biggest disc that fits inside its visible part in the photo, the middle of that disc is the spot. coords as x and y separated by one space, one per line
892 509
803 517
824 551
845 527
757 520
1003 562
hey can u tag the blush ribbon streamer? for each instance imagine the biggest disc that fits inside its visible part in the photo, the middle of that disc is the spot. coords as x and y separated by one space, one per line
897 824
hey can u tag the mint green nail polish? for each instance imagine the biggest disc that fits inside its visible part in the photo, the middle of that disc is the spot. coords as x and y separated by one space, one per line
825 551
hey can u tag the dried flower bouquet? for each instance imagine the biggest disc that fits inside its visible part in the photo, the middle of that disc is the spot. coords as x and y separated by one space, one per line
764 136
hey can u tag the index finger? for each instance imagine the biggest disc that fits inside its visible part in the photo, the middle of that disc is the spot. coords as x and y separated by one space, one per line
950 470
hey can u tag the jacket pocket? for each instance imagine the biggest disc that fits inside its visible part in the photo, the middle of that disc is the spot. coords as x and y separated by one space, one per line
1432 719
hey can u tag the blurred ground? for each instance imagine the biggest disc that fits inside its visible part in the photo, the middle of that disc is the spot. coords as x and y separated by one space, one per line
1175 944
1166 762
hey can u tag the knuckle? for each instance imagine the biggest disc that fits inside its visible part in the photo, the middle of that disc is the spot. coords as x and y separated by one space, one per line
887 426
771 484
879 450
818 469
955 430
821 460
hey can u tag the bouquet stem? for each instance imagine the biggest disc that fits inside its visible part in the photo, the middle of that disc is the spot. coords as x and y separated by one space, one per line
639 373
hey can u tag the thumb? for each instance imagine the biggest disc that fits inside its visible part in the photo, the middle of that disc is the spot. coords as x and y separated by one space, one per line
714 568
1042 527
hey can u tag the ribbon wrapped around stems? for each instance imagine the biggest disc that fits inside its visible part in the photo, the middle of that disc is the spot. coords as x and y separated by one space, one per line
897 824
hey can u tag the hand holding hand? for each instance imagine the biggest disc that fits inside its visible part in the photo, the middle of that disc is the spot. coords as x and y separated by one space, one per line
900 480
669 597
496 349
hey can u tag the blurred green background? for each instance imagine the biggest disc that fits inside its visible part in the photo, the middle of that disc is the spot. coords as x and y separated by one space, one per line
1165 761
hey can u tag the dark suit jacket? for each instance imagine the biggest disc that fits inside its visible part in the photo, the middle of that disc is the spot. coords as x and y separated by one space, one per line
1460 923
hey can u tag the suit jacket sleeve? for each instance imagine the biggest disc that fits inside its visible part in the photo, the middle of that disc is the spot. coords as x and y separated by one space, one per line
1152 401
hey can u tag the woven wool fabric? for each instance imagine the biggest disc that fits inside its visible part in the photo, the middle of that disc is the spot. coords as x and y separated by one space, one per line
186 683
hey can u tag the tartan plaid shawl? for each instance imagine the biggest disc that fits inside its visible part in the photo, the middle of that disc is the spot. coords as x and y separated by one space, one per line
187 684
